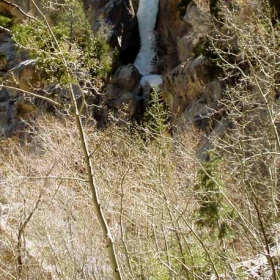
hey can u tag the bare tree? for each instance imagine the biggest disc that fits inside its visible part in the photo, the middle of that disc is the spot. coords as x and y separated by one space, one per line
246 43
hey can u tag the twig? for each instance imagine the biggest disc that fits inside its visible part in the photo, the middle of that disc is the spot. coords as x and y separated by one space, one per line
56 178
122 226
32 94
8 273
24 224
6 30
19 9
91 176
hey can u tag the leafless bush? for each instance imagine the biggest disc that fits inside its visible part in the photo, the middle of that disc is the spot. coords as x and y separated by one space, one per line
141 186
246 44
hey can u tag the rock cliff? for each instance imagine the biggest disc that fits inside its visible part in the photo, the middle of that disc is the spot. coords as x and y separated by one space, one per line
187 87
190 85
186 81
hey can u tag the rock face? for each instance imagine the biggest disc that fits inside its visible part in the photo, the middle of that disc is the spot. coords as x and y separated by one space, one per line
9 56
118 17
13 107
187 79
190 85
199 26
124 95
16 70
185 83
126 77
15 67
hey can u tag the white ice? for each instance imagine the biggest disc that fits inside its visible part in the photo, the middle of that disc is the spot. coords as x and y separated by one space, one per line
147 16
153 80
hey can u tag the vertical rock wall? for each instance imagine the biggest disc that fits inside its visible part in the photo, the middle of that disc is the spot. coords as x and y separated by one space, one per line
186 82
117 21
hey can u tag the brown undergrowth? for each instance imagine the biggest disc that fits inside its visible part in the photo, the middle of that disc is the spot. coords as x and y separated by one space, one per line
46 210
152 189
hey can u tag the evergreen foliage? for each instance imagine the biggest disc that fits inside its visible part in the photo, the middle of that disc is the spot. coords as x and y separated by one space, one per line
213 211
156 117
82 51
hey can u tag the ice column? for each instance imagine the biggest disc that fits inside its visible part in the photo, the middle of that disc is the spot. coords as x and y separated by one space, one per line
147 16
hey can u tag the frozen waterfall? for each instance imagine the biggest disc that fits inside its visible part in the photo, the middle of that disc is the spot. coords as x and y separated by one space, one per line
144 62
147 16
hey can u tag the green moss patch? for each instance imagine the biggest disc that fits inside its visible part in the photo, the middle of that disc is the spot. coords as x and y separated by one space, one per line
5 20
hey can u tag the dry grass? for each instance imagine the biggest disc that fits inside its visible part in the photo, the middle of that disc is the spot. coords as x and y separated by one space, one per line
50 235
146 189
62 240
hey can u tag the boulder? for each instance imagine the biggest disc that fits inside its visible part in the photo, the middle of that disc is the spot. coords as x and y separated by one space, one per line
126 77
125 94
124 100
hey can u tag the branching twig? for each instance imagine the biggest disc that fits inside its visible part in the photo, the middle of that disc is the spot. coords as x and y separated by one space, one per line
91 177
18 8
6 30
32 94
